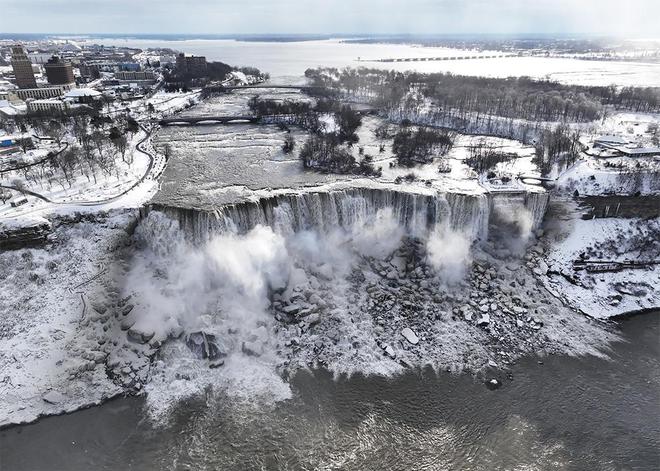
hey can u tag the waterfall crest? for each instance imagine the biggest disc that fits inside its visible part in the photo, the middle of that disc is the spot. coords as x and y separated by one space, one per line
417 213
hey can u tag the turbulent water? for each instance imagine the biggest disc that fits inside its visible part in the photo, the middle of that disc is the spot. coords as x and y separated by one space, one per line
567 413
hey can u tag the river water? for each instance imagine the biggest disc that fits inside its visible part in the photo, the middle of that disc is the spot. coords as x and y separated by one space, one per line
556 413
291 59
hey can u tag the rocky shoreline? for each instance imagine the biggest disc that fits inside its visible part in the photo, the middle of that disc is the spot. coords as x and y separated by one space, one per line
384 316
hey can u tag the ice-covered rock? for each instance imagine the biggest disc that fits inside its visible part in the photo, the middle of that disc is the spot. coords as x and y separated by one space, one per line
291 308
410 336
314 318
53 397
389 351
205 345
484 319
493 384
253 348
140 336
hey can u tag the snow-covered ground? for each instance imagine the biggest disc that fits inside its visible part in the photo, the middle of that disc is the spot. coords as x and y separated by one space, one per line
616 175
83 316
53 346
607 294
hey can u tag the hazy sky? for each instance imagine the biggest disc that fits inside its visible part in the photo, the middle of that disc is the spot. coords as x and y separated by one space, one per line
636 17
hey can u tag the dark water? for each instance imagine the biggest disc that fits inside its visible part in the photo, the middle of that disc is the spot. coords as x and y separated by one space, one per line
567 413
620 206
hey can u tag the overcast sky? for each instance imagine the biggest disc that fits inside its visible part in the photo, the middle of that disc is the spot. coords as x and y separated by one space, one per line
619 17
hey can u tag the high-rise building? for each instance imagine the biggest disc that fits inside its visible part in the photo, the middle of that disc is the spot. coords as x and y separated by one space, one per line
58 71
191 65
22 68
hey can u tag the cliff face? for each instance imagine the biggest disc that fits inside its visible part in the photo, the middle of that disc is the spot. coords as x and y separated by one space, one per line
24 232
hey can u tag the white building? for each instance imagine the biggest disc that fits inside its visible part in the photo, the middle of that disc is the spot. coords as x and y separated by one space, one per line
52 91
51 105
610 140
82 95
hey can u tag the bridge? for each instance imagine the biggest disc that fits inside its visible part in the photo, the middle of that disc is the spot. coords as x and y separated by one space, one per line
443 58
541 180
179 120
223 88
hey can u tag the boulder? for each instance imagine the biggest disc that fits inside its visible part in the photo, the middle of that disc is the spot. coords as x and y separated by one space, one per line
216 364
126 324
484 319
127 309
205 345
252 348
493 384
389 351
291 308
53 397
410 336
314 318
140 336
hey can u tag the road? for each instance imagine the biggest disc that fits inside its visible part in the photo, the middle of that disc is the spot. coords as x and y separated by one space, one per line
139 147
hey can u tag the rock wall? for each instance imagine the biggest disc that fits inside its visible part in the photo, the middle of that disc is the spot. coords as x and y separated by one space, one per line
23 232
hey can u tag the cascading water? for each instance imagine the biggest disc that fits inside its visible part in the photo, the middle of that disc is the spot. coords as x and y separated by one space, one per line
416 213
255 276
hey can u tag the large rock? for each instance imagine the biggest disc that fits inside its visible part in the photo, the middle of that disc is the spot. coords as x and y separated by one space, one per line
53 397
253 348
389 351
410 336
291 308
314 318
205 345
140 336
24 231
484 319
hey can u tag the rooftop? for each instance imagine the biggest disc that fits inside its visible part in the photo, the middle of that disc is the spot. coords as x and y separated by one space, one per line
81 92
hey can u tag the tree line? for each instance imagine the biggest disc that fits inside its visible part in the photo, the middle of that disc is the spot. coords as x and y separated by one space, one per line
513 97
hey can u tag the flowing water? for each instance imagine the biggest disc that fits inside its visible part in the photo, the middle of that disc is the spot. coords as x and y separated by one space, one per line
559 413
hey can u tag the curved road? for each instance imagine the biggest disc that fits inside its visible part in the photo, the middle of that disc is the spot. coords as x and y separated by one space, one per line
33 164
138 147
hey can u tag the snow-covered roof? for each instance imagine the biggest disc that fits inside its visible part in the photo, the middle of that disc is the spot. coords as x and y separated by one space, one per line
81 92
612 139
641 150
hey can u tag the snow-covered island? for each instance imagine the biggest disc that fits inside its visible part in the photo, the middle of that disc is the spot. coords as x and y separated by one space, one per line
226 234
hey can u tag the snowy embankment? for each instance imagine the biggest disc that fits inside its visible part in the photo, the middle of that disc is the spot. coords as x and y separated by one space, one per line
620 176
52 357
607 294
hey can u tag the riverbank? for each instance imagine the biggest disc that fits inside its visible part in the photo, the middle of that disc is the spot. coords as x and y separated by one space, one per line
87 340
590 413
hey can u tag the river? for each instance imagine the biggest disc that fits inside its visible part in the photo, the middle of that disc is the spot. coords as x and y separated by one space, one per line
557 412
291 59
